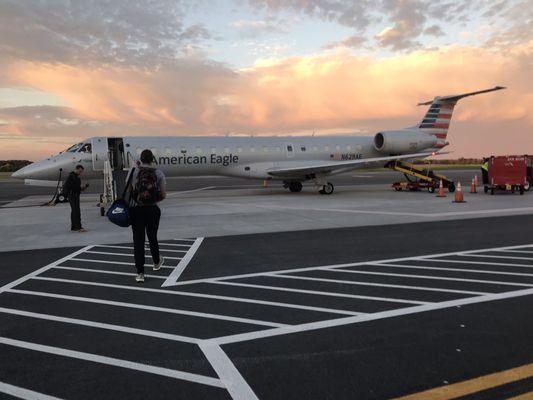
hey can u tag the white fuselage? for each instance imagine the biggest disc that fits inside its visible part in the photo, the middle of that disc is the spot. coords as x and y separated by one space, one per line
249 157
246 157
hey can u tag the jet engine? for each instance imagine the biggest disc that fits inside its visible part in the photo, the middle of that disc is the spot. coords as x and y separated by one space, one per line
403 141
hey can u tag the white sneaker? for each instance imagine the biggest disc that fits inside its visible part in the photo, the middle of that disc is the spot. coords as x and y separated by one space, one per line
157 266
139 278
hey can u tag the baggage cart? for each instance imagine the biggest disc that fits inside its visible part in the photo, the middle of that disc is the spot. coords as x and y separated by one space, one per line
507 173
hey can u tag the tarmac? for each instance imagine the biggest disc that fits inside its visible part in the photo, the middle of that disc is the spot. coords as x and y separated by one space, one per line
265 294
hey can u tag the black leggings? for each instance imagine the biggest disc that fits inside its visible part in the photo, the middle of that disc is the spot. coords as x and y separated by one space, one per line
145 219
75 212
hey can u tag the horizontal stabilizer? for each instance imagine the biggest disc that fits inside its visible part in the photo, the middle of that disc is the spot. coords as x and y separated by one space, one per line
455 98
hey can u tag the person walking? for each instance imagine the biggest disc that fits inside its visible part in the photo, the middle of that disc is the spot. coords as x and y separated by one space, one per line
147 189
72 189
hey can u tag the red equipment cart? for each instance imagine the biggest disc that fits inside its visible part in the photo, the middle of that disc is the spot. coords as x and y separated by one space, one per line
507 173
529 173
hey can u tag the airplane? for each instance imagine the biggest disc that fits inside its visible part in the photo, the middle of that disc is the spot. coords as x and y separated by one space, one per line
292 160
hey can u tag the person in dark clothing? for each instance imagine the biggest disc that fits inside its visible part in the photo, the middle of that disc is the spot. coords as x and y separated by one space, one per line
72 188
148 188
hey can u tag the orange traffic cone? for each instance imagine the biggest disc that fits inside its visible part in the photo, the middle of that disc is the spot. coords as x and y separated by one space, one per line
473 185
441 190
265 183
459 194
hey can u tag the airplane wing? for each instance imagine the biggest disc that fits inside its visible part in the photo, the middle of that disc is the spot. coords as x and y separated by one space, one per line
339 166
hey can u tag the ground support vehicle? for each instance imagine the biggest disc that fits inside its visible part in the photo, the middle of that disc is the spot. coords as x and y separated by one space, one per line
507 173
418 177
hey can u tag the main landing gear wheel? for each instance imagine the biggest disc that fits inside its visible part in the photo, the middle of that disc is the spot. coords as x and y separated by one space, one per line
327 189
295 187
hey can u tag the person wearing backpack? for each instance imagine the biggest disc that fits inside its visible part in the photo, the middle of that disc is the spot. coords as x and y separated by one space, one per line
148 188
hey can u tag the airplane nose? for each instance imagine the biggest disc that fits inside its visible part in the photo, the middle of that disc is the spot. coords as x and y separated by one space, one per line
19 174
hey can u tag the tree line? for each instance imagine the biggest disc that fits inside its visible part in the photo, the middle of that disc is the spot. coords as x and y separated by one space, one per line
12 165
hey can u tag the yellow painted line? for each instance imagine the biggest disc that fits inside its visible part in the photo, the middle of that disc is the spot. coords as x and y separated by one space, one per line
474 385
525 396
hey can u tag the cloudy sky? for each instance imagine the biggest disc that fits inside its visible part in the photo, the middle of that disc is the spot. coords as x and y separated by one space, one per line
81 68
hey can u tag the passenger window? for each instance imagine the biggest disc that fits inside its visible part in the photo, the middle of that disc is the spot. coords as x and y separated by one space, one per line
302 148
359 147
348 147
278 149
198 150
289 148
168 151
326 148
315 148
183 150
265 149
239 149
252 149
226 149
337 147
213 150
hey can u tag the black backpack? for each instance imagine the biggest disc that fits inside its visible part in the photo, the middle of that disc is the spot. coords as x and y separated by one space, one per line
146 191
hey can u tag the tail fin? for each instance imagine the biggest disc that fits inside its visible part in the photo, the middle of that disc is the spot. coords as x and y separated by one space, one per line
437 119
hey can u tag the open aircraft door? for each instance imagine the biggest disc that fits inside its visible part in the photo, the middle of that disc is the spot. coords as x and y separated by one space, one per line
100 152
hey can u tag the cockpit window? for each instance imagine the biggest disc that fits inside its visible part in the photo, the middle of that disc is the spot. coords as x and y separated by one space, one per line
86 148
74 148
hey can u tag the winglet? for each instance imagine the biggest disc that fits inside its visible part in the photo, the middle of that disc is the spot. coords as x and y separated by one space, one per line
454 98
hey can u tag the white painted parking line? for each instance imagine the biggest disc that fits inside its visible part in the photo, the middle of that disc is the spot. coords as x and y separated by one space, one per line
100 325
515 251
138 306
126 254
441 278
201 295
450 261
131 248
400 213
169 373
230 378
429 257
363 283
494 256
22 393
175 245
427 268
43 269
109 262
175 275
317 292
236 385
105 271
370 317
